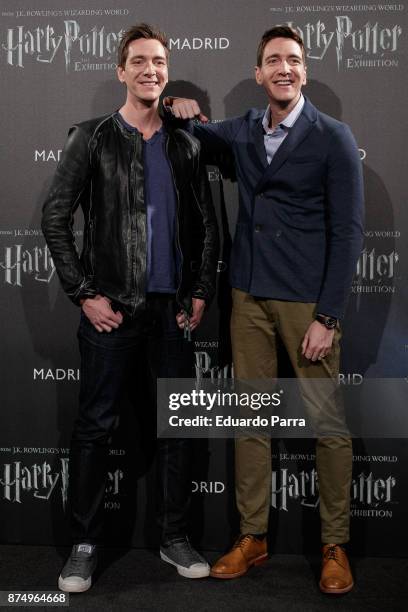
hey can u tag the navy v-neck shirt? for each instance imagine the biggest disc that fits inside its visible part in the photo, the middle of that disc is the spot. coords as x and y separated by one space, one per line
160 200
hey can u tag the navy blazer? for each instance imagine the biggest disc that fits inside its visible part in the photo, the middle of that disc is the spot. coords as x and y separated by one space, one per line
299 231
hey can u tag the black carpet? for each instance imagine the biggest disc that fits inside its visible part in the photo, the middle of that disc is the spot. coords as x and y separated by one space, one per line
136 580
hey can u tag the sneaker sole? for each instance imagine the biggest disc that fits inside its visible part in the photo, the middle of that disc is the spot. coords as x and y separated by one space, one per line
185 571
64 584
258 561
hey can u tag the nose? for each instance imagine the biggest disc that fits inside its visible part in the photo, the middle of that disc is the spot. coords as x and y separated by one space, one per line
149 68
284 67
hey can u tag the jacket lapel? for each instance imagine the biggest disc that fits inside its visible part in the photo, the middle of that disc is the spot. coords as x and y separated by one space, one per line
258 137
296 135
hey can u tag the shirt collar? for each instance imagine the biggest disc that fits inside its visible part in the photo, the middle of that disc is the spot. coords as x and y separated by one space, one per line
289 120
134 129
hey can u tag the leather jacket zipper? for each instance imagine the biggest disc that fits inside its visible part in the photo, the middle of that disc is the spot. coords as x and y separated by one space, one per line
91 235
178 239
91 247
134 224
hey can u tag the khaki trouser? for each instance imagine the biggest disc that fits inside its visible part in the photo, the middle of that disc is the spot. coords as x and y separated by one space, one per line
255 324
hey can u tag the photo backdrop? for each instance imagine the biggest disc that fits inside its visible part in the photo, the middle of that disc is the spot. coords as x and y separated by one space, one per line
58 63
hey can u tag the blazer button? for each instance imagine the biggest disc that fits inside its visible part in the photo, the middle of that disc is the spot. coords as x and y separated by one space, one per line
278 233
258 228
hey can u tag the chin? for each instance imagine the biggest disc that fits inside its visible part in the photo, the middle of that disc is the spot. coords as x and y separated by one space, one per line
149 97
285 98
150 100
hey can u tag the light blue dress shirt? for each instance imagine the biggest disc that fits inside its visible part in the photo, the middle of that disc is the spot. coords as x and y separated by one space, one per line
273 138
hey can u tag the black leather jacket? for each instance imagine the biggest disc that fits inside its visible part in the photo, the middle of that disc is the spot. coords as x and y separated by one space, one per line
101 169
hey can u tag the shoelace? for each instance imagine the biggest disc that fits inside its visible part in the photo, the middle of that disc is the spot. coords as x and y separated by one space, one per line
242 540
192 552
332 553
77 564
185 541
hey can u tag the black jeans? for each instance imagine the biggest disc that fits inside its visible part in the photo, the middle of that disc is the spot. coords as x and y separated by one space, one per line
106 362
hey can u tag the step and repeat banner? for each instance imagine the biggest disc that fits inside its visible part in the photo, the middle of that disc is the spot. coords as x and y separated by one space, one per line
58 62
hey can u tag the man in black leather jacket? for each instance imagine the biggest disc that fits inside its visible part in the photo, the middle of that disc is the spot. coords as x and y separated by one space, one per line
146 272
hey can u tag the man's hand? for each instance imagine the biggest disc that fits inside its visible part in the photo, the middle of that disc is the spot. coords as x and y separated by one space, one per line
317 341
99 312
198 310
185 108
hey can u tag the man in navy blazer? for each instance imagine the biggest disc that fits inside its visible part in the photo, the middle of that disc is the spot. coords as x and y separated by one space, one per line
298 237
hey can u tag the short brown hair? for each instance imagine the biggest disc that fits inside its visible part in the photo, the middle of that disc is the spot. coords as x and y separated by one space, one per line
279 31
140 30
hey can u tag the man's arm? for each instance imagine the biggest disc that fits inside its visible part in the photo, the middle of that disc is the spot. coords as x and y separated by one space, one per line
70 181
205 283
184 108
216 138
345 201
204 287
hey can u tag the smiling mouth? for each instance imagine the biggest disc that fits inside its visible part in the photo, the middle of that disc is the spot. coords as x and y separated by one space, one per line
284 82
149 83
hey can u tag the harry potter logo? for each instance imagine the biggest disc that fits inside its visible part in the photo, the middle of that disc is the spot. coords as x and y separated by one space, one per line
41 480
43 43
370 39
19 261
304 486
373 266
204 369
301 486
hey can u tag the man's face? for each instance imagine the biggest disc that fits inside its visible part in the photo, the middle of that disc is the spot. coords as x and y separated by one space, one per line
283 71
145 72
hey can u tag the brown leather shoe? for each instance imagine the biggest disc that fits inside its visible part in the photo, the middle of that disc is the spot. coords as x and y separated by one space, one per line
247 551
336 575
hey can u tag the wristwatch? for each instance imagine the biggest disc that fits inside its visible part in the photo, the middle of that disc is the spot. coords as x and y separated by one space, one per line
328 322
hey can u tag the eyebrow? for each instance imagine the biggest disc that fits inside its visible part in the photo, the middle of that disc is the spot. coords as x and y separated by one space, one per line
291 56
135 57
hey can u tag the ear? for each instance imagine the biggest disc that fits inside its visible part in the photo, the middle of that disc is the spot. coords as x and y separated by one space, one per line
305 77
120 75
258 75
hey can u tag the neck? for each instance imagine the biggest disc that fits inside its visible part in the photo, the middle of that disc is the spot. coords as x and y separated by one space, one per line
280 110
143 116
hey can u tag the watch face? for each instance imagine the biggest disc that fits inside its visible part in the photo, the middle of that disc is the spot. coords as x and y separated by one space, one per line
328 322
